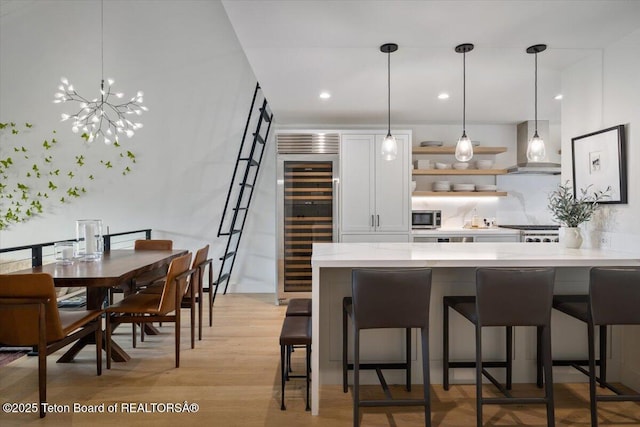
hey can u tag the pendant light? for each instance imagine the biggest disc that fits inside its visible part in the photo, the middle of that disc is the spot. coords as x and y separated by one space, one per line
104 116
389 144
535 150
464 148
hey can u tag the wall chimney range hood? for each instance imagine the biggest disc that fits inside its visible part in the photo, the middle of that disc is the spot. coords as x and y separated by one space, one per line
525 132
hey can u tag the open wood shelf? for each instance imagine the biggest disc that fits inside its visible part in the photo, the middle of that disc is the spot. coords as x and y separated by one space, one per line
458 171
452 150
461 193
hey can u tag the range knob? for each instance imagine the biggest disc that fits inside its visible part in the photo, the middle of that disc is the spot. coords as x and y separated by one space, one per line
546 240
529 240
536 240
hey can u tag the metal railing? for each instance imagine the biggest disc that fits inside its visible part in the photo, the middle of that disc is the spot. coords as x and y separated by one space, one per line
37 248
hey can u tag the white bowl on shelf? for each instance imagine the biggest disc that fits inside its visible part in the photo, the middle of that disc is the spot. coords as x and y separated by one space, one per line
486 187
413 186
464 187
484 164
441 186
440 165
461 165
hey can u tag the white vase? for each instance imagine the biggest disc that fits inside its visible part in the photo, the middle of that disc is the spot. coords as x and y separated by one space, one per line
572 237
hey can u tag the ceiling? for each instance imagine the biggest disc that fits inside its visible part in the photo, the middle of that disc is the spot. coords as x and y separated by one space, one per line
299 48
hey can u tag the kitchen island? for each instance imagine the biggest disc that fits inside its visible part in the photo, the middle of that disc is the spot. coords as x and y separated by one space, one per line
453 267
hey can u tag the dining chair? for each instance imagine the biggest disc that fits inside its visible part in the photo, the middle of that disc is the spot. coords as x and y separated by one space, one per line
149 277
193 294
150 307
29 316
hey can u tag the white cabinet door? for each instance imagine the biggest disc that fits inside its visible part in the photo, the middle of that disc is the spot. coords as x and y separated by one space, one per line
357 194
392 187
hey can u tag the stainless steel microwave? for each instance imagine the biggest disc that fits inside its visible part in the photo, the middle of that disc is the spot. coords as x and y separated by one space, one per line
426 219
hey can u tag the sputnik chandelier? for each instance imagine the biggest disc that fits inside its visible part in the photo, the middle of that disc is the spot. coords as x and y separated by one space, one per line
103 117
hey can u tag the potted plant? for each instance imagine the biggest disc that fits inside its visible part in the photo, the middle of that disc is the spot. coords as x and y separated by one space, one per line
572 211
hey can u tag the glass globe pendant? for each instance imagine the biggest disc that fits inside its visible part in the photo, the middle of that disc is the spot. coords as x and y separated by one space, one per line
464 148
389 145
535 150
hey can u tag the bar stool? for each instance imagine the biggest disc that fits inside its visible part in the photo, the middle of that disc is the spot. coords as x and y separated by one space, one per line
296 307
466 306
299 307
613 298
347 311
296 330
513 297
390 299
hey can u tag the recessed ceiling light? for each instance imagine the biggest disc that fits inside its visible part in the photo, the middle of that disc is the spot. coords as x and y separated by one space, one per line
558 97
443 95
325 95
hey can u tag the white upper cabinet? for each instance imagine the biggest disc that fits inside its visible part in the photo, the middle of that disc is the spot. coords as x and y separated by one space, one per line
374 192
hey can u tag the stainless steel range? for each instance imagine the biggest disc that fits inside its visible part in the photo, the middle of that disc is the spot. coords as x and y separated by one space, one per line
536 233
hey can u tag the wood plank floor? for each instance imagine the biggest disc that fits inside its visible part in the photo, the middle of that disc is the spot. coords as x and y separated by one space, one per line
233 375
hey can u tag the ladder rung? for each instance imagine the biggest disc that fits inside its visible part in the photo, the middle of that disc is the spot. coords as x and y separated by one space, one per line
259 138
246 185
252 162
232 232
265 115
240 209
222 279
228 255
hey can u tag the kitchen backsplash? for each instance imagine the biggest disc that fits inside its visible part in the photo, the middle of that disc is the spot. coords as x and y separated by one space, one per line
525 203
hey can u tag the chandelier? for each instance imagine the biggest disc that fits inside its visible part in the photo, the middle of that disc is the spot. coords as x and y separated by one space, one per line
105 117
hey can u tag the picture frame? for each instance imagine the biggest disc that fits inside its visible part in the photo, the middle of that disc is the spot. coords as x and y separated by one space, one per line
599 161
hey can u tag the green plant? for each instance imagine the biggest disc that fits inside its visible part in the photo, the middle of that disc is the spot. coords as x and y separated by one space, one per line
572 211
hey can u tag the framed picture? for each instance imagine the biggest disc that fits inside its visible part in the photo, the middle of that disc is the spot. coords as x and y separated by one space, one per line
599 161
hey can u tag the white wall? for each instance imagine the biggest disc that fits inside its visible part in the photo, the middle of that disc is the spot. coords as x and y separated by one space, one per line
198 85
600 92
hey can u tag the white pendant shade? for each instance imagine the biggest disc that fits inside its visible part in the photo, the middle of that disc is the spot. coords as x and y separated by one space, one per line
464 149
389 148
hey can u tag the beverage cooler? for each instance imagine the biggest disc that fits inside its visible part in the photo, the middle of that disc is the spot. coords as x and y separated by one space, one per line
307 213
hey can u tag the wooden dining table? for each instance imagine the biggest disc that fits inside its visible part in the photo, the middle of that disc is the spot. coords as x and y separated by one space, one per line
116 268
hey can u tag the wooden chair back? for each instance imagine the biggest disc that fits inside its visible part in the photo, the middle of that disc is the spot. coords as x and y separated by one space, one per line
153 245
196 278
177 267
19 322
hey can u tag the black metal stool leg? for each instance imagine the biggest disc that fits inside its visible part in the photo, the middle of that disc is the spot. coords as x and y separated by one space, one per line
478 376
283 369
345 333
509 356
408 350
539 356
592 375
603 355
308 407
548 374
445 346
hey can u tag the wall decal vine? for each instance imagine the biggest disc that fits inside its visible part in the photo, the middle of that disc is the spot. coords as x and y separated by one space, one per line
36 176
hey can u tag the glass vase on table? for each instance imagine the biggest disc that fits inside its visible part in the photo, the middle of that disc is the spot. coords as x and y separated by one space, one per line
89 239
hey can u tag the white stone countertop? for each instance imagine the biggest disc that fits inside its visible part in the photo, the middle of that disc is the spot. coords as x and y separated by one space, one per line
479 254
460 231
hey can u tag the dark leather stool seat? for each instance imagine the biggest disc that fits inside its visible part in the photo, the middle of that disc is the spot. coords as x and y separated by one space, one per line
299 307
296 307
347 312
511 297
466 306
396 298
613 300
296 330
